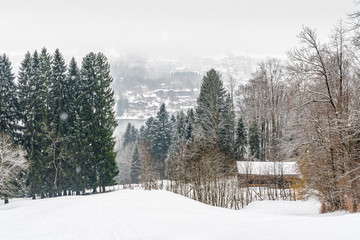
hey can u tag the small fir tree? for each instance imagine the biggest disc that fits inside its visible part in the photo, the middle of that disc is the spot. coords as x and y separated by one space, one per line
241 141
162 139
254 141
135 166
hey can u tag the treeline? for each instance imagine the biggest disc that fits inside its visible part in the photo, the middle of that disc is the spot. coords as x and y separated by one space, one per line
63 117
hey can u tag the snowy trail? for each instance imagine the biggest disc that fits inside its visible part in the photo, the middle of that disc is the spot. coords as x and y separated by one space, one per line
108 223
118 227
161 215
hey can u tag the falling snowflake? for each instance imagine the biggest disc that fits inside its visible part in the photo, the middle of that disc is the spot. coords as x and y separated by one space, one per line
63 116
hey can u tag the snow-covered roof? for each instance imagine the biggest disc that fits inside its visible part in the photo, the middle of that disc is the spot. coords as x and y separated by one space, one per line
149 95
267 168
172 90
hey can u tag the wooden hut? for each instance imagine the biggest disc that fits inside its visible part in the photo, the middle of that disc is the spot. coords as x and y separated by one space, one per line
280 174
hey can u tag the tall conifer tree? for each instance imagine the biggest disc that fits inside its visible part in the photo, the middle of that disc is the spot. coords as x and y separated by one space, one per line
161 139
24 92
9 115
87 115
77 142
211 112
59 130
100 116
105 123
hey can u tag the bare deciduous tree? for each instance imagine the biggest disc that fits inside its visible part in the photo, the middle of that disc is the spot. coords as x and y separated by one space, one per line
326 102
12 164
123 161
149 175
263 100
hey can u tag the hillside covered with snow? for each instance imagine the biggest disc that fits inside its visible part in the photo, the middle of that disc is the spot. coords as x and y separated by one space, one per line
138 214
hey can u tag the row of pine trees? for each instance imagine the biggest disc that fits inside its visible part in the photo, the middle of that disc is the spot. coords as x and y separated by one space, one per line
63 116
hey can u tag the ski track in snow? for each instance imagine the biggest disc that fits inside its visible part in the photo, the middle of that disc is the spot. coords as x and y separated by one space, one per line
118 227
107 223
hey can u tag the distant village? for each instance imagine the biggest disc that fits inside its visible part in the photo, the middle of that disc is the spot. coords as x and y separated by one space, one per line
143 103
139 94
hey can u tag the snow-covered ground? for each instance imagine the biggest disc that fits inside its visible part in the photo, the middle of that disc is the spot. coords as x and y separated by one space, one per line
138 214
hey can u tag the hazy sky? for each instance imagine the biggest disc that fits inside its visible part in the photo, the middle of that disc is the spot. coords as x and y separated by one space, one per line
164 28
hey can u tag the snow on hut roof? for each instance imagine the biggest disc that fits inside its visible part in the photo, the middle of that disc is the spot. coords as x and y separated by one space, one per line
267 168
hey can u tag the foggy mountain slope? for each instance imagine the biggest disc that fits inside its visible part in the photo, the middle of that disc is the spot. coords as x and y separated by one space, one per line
131 71
141 85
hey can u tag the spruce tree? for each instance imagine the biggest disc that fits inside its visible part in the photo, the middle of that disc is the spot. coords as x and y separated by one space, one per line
214 124
45 75
148 133
78 146
74 91
32 98
241 141
25 89
177 141
44 72
179 133
210 104
59 131
211 112
180 129
60 94
89 84
141 134
104 123
40 154
134 133
135 166
130 135
173 121
227 130
161 139
190 124
127 135
254 140
9 115
24 92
